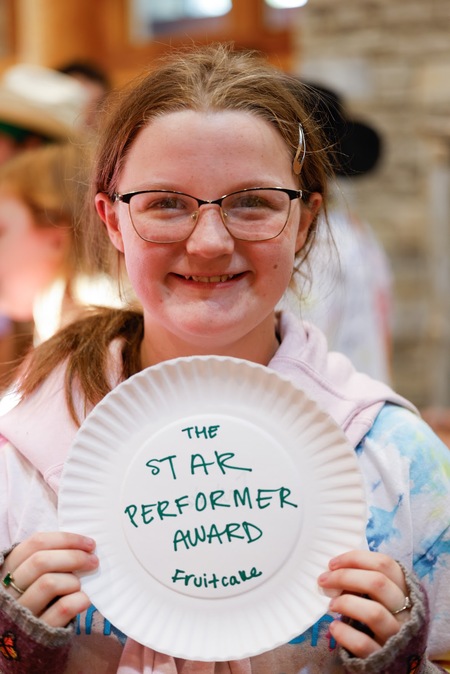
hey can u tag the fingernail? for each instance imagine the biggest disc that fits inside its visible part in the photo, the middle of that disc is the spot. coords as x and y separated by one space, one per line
324 577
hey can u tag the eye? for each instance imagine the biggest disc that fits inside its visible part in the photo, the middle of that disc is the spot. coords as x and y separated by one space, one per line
159 201
248 200
257 204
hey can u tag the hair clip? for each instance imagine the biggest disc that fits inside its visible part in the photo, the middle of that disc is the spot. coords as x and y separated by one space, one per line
301 151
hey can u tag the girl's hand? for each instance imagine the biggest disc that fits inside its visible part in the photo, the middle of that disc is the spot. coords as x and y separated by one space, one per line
43 569
373 588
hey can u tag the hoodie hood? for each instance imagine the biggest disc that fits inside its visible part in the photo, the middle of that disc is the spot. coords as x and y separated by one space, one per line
353 399
42 430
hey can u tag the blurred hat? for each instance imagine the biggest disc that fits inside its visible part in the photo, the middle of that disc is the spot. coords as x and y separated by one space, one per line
355 146
42 101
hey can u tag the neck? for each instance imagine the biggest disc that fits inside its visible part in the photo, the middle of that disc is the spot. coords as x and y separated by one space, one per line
258 348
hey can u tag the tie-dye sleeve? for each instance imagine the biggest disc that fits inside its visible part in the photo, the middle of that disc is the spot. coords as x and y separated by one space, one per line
406 470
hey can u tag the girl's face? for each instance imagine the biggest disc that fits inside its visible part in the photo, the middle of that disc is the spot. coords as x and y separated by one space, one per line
30 257
209 293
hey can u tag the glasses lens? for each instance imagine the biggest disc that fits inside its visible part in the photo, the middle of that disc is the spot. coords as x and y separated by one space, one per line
162 217
256 215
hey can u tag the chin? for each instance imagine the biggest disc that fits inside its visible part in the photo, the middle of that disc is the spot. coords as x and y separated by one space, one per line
206 338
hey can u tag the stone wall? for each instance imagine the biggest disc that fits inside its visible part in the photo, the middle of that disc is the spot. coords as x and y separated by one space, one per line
391 61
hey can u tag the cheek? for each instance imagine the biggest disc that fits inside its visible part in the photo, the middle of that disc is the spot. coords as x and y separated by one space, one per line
278 266
288 251
128 250
143 267
281 266
136 272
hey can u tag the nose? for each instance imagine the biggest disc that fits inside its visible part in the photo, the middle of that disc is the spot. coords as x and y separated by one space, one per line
210 237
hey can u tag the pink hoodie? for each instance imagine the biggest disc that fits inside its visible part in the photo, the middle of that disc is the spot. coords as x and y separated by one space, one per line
351 398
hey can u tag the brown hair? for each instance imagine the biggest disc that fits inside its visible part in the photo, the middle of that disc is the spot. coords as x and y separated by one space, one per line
209 78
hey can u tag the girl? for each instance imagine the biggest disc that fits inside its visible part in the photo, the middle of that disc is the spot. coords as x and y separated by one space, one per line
209 270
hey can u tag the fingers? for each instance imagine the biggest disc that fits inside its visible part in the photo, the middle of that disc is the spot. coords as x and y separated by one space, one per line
372 583
381 623
45 562
367 573
48 541
367 587
65 609
374 561
44 575
62 611
354 640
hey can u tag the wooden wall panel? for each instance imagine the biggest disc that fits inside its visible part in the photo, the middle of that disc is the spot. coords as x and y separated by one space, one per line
52 32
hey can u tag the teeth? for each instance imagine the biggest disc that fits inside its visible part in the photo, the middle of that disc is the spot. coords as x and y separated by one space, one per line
210 279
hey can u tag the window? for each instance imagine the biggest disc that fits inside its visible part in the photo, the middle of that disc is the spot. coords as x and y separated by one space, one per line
285 4
281 13
151 27
153 17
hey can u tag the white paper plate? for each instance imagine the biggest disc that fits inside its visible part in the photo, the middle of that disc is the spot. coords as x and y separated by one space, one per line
217 492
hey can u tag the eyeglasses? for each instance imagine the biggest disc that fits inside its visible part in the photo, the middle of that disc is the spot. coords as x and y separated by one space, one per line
253 214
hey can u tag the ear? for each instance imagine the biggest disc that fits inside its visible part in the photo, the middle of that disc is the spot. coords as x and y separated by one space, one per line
108 213
309 211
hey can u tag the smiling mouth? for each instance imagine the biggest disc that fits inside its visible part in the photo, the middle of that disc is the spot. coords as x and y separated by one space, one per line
211 279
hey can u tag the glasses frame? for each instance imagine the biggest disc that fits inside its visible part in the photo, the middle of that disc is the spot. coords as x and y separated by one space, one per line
127 196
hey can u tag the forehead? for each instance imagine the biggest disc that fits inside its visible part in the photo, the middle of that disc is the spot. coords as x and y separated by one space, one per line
182 142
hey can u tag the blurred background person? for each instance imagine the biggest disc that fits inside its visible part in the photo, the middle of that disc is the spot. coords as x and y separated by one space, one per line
45 276
349 292
38 106
96 84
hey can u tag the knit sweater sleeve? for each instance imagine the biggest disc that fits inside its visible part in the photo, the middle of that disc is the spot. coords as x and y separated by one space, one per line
28 645
406 650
